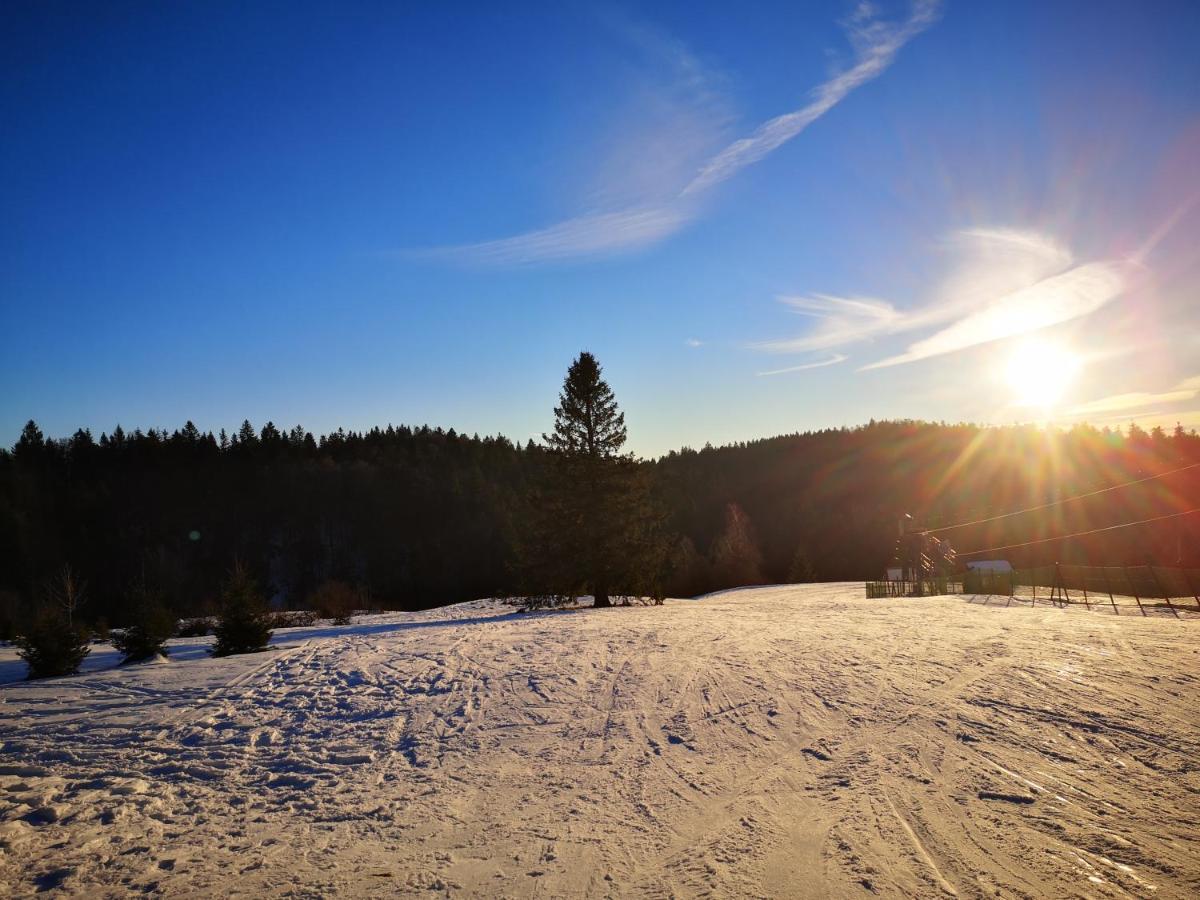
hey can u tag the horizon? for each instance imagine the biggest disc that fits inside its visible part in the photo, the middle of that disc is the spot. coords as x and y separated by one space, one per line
1126 429
764 222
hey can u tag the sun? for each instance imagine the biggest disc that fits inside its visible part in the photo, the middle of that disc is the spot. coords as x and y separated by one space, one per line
1039 372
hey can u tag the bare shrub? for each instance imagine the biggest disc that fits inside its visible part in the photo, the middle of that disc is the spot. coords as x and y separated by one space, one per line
197 626
334 600
293 618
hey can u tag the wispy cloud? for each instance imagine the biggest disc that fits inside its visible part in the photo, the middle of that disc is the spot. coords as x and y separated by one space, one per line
839 321
582 236
694 342
1004 282
657 216
989 263
1187 389
1059 298
833 360
673 112
876 43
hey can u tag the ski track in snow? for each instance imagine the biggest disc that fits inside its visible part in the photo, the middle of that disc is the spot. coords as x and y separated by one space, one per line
781 741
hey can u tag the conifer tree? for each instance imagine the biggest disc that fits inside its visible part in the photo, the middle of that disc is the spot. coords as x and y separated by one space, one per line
31 444
152 624
53 643
587 423
50 645
245 439
244 622
600 530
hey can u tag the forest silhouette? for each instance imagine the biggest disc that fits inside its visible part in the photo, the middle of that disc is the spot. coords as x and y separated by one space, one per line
416 517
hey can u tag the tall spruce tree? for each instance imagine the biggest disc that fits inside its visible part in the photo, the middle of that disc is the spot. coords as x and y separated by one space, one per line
600 531
587 424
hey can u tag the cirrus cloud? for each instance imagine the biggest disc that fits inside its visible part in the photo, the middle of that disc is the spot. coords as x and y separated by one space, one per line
1059 298
1187 389
876 44
1004 282
833 360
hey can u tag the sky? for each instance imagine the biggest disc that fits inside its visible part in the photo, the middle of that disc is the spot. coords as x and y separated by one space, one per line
761 218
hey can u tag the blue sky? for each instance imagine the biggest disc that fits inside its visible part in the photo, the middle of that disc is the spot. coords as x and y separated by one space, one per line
761 218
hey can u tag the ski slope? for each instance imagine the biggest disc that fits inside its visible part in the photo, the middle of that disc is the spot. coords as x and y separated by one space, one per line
784 741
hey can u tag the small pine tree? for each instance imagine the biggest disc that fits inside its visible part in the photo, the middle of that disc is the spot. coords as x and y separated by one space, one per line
244 622
146 636
52 645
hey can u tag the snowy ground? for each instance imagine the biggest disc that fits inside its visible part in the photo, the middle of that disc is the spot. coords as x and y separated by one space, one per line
788 741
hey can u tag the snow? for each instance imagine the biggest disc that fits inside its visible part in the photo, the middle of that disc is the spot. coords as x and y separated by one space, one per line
790 740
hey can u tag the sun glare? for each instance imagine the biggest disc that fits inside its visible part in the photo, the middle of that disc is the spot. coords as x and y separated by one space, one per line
1039 373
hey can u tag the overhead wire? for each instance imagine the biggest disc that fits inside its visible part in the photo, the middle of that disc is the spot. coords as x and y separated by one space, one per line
1053 503
1064 537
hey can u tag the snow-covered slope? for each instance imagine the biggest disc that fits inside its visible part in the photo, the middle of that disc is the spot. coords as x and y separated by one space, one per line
771 742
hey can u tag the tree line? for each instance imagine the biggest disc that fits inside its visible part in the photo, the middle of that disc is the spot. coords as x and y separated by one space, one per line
412 517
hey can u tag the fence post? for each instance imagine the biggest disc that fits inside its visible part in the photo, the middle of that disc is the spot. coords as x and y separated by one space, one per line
1084 582
1129 581
1063 596
1166 594
1108 585
1187 576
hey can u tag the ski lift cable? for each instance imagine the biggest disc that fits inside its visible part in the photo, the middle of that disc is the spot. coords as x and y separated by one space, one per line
1052 503
1063 537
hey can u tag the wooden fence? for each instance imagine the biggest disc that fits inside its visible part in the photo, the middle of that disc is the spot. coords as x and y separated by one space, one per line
1133 588
925 587
1139 587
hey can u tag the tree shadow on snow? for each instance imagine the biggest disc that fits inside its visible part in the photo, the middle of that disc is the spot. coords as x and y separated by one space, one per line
367 629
